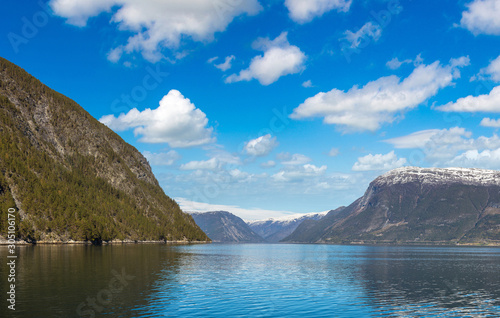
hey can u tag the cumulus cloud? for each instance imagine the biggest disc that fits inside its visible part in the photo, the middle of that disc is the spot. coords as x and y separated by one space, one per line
482 103
261 146
379 162
379 101
492 71
279 59
481 17
487 159
299 173
176 122
157 24
297 159
303 11
488 122
162 158
368 31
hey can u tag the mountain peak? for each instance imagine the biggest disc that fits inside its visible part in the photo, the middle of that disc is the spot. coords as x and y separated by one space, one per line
468 176
414 205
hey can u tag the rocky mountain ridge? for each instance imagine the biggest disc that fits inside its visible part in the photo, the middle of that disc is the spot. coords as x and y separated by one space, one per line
416 206
274 230
468 176
225 227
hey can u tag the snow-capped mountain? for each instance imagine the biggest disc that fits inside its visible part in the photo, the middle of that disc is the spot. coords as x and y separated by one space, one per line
276 229
222 226
416 205
467 176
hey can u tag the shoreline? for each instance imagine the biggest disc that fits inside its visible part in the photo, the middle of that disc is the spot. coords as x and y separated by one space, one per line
114 242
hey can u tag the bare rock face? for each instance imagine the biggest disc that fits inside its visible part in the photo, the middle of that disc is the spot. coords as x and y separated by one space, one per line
73 178
222 226
417 206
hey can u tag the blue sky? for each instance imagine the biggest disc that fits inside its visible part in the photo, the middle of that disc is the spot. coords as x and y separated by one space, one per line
266 108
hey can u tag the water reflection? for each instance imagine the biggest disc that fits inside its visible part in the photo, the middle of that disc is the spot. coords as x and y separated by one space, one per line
53 280
254 280
420 282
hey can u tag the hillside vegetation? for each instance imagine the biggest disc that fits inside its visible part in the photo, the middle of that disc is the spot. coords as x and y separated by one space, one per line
72 178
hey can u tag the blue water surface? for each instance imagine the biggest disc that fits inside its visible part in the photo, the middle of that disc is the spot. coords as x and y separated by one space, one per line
256 280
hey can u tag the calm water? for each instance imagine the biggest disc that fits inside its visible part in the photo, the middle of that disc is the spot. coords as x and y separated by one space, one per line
254 281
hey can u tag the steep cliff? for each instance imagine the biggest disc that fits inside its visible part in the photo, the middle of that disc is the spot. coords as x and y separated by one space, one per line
222 226
416 205
72 178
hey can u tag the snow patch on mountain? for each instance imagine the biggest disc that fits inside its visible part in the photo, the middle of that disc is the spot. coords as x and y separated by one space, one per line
288 218
469 176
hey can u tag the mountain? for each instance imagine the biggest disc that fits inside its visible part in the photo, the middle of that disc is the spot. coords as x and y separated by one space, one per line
223 226
416 205
71 178
274 230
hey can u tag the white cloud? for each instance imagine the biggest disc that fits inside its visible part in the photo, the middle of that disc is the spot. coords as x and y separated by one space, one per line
379 101
219 159
487 159
482 103
210 164
414 140
163 158
488 122
78 12
234 185
367 31
240 176
227 63
334 152
481 17
268 164
492 71
212 59
303 11
440 146
395 63
307 84
279 59
297 159
176 121
379 162
261 146
246 214
283 156
299 173
158 24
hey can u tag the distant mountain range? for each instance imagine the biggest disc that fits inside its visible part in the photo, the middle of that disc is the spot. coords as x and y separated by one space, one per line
274 230
416 206
71 178
222 226
404 206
